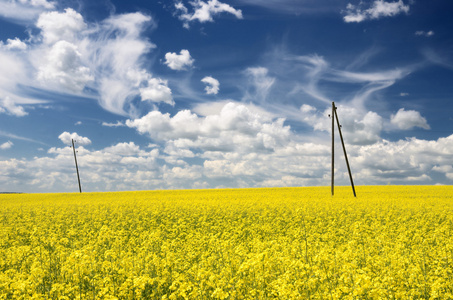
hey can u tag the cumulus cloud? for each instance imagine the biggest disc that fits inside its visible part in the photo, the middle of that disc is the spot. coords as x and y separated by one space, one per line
180 61
56 26
126 166
379 9
214 108
63 66
126 149
234 128
212 85
67 138
15 44
157 90
6 145
408 119
403 161
358 127
8 106
204 11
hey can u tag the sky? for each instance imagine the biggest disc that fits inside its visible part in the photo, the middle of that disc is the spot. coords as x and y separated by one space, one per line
223 94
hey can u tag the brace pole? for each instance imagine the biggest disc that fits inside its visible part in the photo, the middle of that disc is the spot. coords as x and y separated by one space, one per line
344 150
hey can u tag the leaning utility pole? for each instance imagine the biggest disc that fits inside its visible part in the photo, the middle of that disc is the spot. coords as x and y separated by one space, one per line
333 148
77 168
334 113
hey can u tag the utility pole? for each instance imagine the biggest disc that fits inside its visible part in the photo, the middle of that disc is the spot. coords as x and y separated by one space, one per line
77 168
334 112
333 148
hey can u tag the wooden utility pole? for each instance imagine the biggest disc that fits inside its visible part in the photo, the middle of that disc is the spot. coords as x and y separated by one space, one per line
334 112
333 148
77 168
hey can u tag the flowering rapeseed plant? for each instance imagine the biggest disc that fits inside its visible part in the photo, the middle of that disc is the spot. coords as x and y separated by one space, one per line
284 243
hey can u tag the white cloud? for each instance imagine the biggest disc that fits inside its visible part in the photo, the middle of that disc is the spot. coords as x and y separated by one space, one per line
126 149
8 106
297 7
6 145
120 167
106 57
383 76
15 44
39 3
126 166
117 53
117 124
70 50
234 128
103 60
204 11
408 119
260 81
215 107
63 67
180 61
24 10
14 72
304 76
56 26
316 67
402 161
379 9
67 138
212 85
424 33
157 90
358 127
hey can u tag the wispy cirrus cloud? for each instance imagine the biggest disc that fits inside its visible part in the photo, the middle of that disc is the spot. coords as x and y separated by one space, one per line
297 7
314 71
70 55
260 83
21 138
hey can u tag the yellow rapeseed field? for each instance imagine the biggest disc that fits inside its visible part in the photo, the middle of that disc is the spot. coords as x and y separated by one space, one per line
392 242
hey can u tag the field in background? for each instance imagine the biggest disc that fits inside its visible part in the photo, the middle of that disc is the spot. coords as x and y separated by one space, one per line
392 242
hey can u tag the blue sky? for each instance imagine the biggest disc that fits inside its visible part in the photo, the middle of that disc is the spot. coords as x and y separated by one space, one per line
212 94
